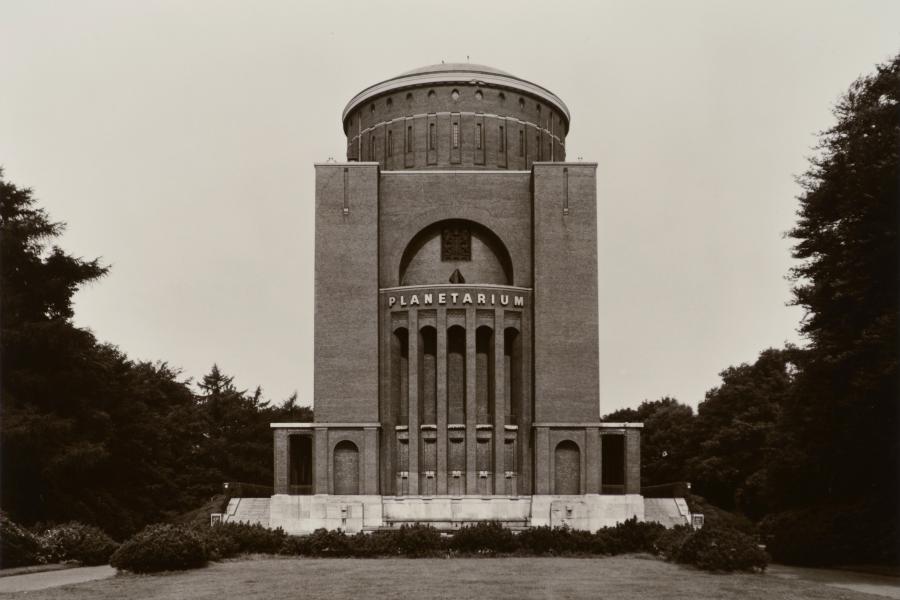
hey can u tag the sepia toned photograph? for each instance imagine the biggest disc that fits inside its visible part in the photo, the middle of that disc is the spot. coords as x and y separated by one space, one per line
467 300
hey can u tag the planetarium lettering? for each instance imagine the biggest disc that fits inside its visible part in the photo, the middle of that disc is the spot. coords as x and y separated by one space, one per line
456 299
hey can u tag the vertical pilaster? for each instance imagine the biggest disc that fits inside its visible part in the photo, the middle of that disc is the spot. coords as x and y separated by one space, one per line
370 461
632 461
500 401
413 409
322 462
441 401
282 461
471 463
542 460
592 460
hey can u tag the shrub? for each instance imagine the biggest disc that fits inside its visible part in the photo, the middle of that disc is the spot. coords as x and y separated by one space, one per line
630 536
559 541
18 546
670 541
322 542
218 541
161 548
716 549
719 518
483 538
415 541
78 542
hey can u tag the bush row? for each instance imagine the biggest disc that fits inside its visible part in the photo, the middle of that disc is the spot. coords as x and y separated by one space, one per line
71 542
170 547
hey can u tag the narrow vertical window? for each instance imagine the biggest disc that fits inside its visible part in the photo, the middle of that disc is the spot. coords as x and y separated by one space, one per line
409 138
372 148
537 144
478 136
431 136
500 146
390 144
521 142
456 135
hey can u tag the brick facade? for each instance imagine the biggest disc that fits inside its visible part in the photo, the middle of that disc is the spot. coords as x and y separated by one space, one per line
456 341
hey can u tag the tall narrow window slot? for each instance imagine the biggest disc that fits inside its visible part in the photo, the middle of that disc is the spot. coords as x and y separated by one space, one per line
409 138
484 375
478 136
431 136
428 376
400 376
521 142
502 140
456 135
390 143
456 375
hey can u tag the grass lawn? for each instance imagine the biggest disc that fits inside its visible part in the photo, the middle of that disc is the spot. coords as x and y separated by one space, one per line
631 577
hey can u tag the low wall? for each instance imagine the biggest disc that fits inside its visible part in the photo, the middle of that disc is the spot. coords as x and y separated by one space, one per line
588 512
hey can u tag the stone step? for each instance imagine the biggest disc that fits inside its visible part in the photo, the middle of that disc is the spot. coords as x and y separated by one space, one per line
248 510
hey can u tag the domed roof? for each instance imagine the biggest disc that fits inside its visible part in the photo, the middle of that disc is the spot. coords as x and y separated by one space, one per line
467 73
450 67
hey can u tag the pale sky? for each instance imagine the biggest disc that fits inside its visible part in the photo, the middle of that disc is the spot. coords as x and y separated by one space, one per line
177 141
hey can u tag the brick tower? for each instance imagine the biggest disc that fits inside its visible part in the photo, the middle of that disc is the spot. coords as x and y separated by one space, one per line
456 342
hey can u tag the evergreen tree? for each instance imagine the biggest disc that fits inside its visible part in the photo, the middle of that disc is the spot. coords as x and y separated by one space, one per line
841 424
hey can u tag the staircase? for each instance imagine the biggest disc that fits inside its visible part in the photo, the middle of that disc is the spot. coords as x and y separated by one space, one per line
667 511
248 510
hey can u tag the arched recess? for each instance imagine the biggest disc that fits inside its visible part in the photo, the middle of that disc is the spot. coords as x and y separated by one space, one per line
484 375
346 468
452 248
567 468
428 376
456 375
400 376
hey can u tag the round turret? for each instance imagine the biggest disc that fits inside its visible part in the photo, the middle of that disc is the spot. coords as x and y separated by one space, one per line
456 115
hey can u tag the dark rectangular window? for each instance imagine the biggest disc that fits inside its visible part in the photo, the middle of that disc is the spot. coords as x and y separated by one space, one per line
456 244
372 148
521 142
502 140
431 136
478 136
390 144
409 138
456 135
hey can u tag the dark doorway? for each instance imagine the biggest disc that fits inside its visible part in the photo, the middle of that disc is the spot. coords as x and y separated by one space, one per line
612 473
301 465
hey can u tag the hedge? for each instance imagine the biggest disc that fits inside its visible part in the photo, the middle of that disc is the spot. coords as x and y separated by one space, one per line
161 548
75 541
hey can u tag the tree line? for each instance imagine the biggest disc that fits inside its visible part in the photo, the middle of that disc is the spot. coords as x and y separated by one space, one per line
91 435
808 437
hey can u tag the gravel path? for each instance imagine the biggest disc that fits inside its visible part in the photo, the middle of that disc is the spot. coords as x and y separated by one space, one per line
48 579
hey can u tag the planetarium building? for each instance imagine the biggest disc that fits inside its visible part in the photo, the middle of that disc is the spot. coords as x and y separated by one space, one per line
456 342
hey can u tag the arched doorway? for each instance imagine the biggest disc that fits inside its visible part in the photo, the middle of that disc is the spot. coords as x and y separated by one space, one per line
567 468
346 468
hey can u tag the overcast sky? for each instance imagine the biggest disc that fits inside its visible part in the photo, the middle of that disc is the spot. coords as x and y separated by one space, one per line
177 141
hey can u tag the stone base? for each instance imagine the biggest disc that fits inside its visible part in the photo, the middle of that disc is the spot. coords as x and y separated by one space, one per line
588 512
305 514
